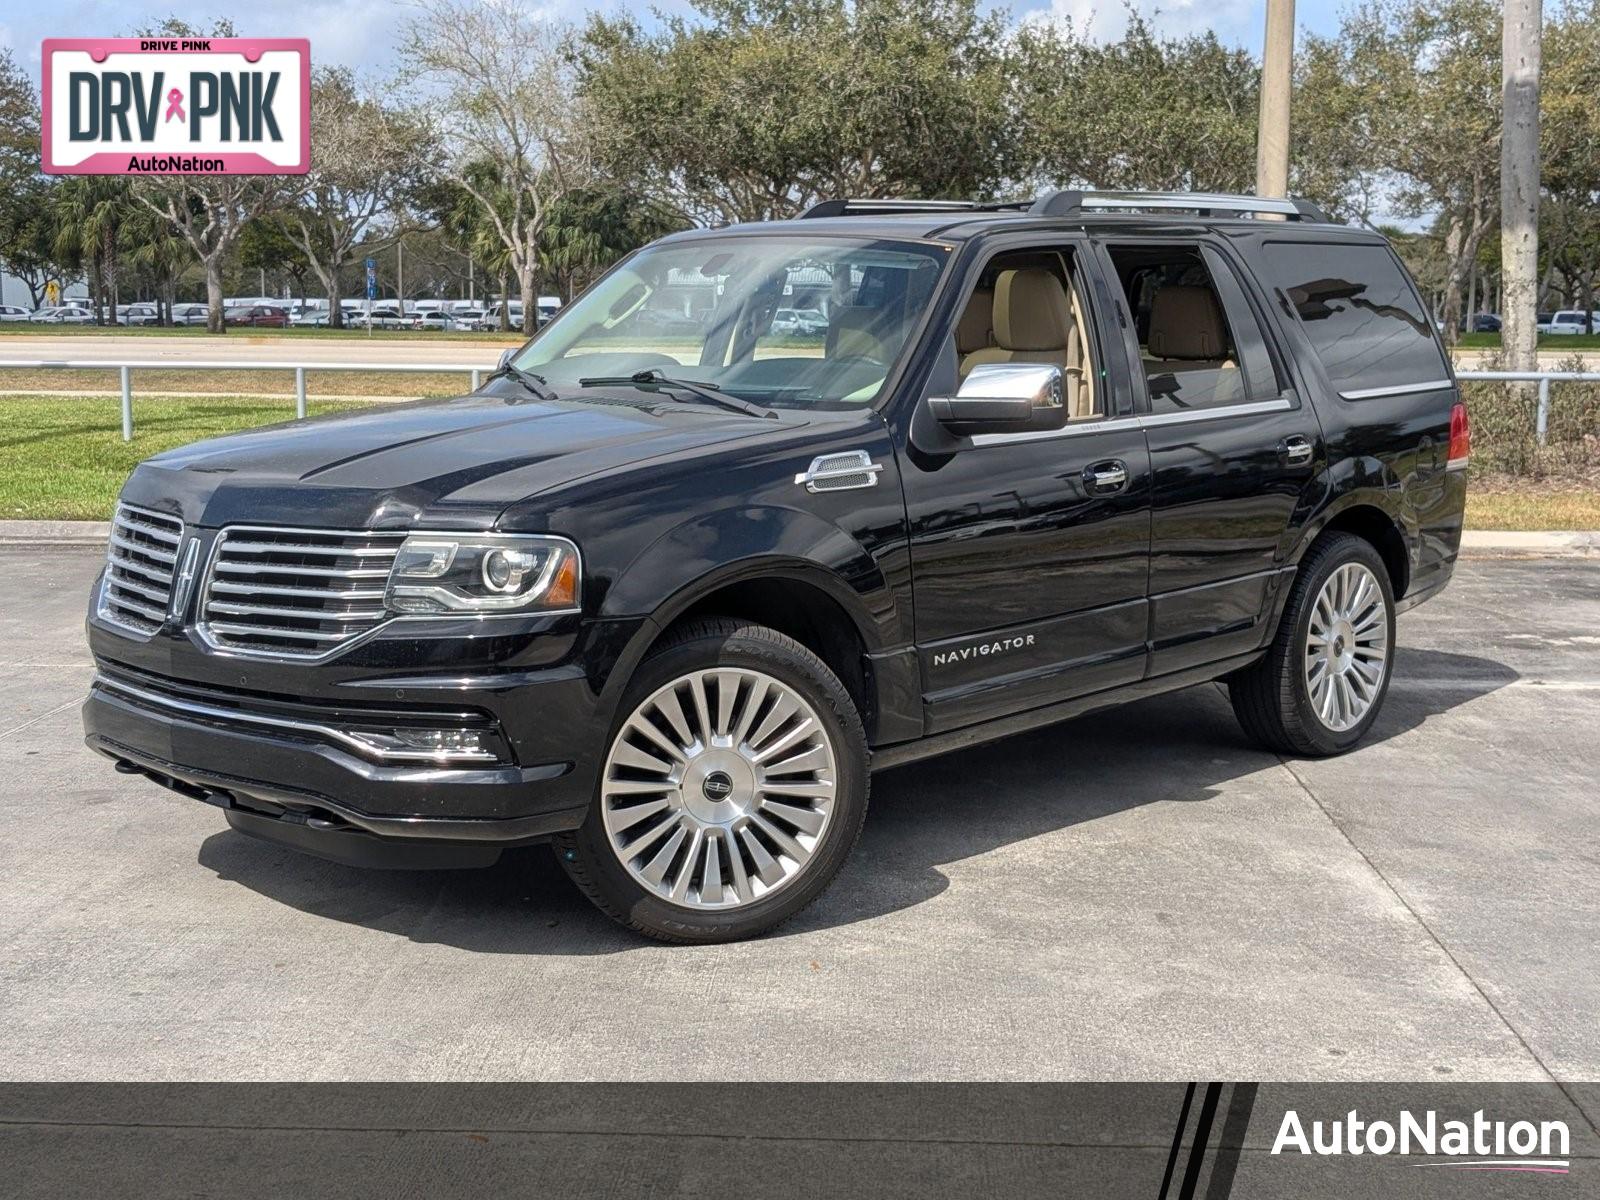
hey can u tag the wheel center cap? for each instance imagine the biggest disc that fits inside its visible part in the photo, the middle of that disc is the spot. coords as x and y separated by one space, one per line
718 787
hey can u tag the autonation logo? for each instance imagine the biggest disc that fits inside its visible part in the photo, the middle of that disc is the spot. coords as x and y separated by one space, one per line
1481 1144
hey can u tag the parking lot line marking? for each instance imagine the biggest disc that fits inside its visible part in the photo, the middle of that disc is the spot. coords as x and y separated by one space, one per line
73 703
1437 941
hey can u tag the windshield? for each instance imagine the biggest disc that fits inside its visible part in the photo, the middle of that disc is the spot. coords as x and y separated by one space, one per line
784 321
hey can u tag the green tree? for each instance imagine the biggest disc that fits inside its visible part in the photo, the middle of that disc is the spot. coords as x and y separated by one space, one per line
1421 100
90 213
209 212
1146 111
367 159
1570 148
506 102
755 109
589 230
26 219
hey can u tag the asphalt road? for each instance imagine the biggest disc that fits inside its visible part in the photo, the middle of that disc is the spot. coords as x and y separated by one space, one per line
268 346
1135 895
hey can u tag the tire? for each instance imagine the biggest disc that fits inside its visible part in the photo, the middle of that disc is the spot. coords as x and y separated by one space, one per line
1289 704
780 787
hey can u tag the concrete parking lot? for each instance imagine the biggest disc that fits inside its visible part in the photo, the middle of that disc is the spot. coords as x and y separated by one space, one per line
1136 895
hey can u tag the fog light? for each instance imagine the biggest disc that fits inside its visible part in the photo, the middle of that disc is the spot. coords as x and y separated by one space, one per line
430 745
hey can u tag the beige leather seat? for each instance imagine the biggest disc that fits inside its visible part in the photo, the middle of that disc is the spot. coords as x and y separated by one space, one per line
1036 321
853 333
1187 331
975 329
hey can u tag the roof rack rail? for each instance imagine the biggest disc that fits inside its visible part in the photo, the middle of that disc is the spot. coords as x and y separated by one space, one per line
862 208
1074 203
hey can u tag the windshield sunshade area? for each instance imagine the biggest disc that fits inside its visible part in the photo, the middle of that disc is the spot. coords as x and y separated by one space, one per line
785 322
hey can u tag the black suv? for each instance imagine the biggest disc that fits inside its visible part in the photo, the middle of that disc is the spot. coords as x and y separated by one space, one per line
666 593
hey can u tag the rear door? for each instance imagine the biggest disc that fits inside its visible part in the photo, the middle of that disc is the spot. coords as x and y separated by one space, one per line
1233 447
1029 550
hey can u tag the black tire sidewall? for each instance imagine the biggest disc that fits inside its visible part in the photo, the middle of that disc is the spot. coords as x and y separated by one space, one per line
757 649
1343 552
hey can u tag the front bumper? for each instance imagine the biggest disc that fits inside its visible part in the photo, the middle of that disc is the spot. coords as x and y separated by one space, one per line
269 742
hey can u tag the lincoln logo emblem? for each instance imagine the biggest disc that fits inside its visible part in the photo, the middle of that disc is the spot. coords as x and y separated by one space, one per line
717 786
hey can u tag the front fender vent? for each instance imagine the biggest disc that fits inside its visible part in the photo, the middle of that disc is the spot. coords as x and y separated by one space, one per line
841 472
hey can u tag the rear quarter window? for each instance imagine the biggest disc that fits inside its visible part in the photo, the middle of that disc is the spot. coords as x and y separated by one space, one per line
1361 313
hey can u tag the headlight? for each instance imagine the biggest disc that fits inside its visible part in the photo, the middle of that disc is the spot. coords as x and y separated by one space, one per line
484 573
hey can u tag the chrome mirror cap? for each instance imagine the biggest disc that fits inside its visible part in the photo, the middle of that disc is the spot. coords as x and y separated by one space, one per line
1004 398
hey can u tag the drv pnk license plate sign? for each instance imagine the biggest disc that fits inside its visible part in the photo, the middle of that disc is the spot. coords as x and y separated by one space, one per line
177 106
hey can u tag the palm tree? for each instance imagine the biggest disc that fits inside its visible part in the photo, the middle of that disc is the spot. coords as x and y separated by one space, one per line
89 213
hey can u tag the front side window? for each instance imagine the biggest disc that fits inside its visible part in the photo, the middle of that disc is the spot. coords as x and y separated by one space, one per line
1026 308
781 321
1365 320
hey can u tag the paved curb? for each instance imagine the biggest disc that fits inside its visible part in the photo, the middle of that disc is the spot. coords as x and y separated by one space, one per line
54 533
1499 541
1478 541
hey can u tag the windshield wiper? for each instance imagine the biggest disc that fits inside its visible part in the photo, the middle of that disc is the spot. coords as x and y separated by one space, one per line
656 378
537 384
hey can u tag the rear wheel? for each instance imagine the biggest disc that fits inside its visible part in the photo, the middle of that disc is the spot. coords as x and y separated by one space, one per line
1321 684
733 788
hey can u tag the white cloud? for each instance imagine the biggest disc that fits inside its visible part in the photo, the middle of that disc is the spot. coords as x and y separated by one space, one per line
1237 22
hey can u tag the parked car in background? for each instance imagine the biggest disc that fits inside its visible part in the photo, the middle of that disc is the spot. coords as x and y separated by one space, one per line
1483 323
269 316
665 321
189 314
309 316
62 314
443 321
802 322
386 317
141 314
13 312
491 316
1568 321
467 318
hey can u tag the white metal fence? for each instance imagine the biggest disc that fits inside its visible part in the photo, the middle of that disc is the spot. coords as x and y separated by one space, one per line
1541 426
125 374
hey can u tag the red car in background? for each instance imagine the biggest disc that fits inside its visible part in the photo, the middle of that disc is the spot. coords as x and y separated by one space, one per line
266 315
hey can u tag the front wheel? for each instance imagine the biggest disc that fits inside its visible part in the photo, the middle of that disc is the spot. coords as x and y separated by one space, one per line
1320 686
733 788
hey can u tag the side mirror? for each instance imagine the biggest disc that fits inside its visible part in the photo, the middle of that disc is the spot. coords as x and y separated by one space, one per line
1004 398
505 357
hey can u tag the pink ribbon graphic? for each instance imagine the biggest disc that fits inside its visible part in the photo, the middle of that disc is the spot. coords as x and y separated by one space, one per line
175 105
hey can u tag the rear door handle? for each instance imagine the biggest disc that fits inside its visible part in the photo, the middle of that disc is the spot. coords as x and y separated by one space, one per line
1295 450
1104 478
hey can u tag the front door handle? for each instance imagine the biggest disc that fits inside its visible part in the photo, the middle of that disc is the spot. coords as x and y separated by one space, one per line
1104 478
1296 450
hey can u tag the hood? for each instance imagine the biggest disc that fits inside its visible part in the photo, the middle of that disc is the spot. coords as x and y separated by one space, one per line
461 461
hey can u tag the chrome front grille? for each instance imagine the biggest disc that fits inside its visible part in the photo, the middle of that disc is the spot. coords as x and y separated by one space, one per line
295 593
140 561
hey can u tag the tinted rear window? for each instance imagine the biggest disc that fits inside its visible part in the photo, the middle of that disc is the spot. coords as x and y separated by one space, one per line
1361 313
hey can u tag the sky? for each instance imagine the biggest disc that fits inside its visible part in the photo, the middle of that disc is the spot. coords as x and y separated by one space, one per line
361 34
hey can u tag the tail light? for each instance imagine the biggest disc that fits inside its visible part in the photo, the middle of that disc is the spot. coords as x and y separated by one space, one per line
1460 437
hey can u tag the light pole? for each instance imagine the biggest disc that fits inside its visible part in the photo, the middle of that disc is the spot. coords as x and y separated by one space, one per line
1519 180
1277 82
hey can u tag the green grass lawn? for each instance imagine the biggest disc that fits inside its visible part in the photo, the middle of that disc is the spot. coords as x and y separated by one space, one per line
1575 342
63 458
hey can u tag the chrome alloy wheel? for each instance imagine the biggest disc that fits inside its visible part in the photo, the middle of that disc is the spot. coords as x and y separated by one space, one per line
718 788
1347 647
